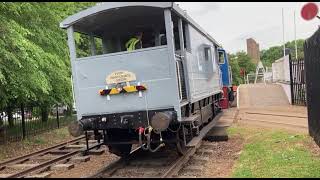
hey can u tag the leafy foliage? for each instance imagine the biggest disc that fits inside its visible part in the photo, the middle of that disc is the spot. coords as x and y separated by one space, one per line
239 61
273 53
34 57
235 68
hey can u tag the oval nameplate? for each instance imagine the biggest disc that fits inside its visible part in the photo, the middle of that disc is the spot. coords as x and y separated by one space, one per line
120 77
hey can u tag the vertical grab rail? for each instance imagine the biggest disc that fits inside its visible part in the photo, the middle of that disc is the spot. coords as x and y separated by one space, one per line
177 57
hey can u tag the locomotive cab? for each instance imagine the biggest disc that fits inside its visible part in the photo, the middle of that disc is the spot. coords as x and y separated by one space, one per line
226 76
147 95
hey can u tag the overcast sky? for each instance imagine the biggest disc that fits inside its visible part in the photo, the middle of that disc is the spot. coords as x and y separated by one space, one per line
231 23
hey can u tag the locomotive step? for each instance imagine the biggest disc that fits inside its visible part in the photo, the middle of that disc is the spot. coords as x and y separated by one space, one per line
192 118
195 141
217 134
224 122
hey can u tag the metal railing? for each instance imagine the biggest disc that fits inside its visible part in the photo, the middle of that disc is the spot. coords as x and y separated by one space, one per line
298 86
19 123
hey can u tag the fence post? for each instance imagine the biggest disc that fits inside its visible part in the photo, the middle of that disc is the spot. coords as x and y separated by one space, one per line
291 80
58 117
2 129
23 122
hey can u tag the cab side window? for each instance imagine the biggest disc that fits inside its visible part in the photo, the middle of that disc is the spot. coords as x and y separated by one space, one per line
221 57
207 52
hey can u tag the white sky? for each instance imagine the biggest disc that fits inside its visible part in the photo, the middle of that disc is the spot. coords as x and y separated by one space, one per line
231 23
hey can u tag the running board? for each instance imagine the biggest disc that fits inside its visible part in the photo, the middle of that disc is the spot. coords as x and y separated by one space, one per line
190 119
195 141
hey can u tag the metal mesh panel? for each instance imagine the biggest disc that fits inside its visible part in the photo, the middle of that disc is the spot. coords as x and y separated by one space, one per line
181 78
183 82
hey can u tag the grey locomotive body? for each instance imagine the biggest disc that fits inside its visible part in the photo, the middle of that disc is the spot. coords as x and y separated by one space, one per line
163 93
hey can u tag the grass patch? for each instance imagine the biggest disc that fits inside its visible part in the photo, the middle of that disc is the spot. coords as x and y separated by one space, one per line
275 153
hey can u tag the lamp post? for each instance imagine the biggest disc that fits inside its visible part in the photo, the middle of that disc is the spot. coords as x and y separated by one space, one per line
295 34
284 46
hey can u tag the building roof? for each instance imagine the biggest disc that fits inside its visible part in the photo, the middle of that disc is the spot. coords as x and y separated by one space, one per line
101 7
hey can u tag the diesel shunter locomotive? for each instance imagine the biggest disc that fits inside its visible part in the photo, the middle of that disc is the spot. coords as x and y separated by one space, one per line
164 92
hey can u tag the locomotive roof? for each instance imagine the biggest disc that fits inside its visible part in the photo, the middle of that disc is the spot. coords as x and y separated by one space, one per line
93 11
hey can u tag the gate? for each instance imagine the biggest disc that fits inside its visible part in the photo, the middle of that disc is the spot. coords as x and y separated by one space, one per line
312 69
297 79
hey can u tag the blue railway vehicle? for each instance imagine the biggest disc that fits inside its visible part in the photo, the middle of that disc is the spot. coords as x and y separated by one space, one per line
226 76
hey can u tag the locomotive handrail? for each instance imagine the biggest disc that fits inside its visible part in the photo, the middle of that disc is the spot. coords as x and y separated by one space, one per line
179 80
121 53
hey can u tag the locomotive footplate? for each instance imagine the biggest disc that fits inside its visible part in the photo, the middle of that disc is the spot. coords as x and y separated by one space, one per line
204 131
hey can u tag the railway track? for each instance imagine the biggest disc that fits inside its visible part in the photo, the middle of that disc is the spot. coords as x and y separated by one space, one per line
163 164
39 163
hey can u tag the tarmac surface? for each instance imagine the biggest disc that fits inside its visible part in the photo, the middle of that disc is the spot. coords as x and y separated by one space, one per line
266 105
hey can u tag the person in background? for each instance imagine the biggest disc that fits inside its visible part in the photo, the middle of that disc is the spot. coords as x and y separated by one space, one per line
135 42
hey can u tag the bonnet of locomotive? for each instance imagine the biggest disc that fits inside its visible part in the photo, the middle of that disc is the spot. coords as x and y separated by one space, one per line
117 80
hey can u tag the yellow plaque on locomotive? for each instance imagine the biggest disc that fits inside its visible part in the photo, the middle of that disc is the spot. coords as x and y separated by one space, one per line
120 77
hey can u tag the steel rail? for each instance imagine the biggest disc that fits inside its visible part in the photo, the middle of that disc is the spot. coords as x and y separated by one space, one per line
43 165
113 167
21 158
177 165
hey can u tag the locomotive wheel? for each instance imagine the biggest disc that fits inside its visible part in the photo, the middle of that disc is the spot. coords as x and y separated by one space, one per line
121 150
181 148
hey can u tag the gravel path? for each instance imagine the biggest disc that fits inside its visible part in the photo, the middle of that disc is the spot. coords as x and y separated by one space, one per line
222 160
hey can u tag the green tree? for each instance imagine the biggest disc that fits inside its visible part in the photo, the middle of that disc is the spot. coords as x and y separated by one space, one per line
34 58
235 69
271 54
238 61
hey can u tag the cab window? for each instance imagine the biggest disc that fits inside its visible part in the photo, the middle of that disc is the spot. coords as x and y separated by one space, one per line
221 57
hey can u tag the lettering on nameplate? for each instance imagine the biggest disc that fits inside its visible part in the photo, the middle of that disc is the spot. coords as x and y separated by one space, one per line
120 77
